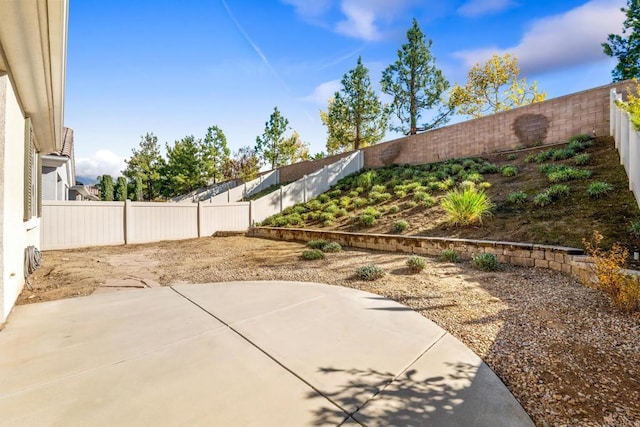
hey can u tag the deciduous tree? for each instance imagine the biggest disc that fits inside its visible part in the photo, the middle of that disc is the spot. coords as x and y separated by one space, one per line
416 84
493 87
355 117
626 47
245 165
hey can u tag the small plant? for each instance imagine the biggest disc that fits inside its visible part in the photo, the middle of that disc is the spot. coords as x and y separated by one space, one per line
558 190
400 226
416 264
623 289
367 220
450 255
327 217
421 196
353 194
400 193
323 198
508 170
366 179
634 228
316 244
542 199
312 254
489 168
331 247
410 204
581 159
599 188
394 209
359 202
517 198
378 188
468 206
486 262
512 157
369 272
330 208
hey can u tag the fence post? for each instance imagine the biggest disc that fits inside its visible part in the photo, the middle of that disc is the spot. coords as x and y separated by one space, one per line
128 229
612 112
250 213
199 218
281 199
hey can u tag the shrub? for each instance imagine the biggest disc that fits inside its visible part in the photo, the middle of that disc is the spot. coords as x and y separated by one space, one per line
400 193
484 185
280 221
312 254
366 179
314 204
353 193
367 220
316 244
623 289
340 212
323 198
489 168
599 188
421 196
344 201
512 156
581 159
561 153
294 219
326 216
428 201
474 177
330 208
486 262
416 264
450 255
400 226
562 173
334 193
331 247
558 190
508 170
369 272
634 228
543 199
359 202
378 188
517 198
468 206
372 211
393 209
410 204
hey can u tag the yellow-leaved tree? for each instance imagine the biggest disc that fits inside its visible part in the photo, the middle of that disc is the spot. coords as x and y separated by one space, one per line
632 105
493 87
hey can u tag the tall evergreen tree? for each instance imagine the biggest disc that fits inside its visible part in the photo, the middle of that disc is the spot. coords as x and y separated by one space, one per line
145 163
416 84
355 117
270 145
186 170
121 189
105 185
215 153
626 48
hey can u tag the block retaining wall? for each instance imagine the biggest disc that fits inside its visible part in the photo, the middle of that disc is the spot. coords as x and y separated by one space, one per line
567 260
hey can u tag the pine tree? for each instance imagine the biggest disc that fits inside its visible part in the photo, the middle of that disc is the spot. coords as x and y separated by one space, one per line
146 164
215 153
270 145
626 49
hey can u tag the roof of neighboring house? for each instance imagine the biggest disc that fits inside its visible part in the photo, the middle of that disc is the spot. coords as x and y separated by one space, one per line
67 143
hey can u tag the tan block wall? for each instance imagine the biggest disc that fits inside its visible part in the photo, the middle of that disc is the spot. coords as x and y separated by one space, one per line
547 122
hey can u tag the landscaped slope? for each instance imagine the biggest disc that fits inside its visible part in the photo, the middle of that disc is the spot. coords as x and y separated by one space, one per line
556 195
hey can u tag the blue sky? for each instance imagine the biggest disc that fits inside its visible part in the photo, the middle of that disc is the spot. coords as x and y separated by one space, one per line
175 68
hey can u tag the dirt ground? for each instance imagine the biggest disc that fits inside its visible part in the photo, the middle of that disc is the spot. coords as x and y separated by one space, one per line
562 349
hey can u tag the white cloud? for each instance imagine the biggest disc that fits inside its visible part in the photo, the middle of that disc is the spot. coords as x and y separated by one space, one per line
309 9
474 8
360 22
323 92
103 162
560 41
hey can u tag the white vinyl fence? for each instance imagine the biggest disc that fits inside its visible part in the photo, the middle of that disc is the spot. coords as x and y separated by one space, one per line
73 224
627 142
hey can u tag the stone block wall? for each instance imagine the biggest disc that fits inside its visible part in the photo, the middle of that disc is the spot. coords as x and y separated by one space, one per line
567 260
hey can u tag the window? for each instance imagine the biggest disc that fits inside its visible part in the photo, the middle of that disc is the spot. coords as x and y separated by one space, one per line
32 175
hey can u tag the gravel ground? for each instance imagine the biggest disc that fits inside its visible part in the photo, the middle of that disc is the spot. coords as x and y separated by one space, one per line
562 349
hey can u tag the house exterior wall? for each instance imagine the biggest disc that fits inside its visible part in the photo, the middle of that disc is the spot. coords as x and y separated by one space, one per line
49 183
56 180
15 234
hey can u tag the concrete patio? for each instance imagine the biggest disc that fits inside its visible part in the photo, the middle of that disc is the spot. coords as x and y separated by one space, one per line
241 354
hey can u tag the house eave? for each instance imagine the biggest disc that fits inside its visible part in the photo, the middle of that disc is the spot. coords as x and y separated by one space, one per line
33 50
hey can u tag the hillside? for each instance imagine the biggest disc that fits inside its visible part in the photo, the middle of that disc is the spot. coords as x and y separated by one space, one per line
413 193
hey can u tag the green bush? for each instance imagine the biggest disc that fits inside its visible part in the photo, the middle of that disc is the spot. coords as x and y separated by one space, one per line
542 199
345 201
294 219
581 159
508 170
486 262
474 177
331 247
330 208
561 153
312 254
316 244
400 193
634 228
599 188
450 255
366 179
410 204
512 157
400 226
359 202
370 210
353 193
558 190
394 209
369 272
562 173
323 198
280 221
327 217
468 206
378 188
367 220
421 196
416 264
340 212
517 198
314 205
489 168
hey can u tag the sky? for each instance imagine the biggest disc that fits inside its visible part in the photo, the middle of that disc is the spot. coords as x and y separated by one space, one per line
176 67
